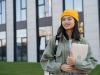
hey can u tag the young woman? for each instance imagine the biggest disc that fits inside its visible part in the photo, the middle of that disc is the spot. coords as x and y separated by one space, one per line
62 62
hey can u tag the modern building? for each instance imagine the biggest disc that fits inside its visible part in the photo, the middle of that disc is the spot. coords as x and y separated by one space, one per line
27 25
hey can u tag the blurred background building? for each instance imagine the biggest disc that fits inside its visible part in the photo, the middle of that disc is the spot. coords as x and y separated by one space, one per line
27 25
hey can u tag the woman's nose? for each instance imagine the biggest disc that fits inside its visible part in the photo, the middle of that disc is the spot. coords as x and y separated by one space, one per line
66 21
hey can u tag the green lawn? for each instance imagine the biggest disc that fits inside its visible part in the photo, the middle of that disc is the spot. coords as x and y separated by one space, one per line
96 71
24 68
20 68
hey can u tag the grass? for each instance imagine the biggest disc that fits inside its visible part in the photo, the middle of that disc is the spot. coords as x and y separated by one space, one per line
20 68
96 71
24 68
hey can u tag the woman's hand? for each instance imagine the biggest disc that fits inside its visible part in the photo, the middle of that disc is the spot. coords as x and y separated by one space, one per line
66 68
70 60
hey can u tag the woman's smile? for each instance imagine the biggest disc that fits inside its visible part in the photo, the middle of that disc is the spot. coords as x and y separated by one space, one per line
67 24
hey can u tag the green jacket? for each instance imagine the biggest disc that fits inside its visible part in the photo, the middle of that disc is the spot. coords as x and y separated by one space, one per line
49 64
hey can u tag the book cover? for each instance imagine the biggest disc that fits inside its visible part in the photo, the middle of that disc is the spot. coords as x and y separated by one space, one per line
79 50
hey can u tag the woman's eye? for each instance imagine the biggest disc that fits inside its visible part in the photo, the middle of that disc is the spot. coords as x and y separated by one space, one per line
63 19
69 19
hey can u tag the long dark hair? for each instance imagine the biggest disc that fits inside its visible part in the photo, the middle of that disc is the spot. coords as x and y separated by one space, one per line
75 34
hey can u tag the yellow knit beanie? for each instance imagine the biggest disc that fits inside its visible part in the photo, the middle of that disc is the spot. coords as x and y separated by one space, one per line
70 12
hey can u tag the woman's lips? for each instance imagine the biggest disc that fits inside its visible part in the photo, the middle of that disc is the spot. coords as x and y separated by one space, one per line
67 25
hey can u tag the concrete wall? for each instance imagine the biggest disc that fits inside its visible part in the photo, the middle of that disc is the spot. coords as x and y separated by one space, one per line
31 31
9 30
91 26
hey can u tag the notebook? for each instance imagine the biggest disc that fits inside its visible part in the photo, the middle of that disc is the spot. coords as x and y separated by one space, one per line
79 50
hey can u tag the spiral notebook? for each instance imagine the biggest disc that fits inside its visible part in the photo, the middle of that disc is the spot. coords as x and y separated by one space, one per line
79 50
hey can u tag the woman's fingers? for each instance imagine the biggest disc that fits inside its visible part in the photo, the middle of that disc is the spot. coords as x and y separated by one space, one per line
66 68
71 54
70 60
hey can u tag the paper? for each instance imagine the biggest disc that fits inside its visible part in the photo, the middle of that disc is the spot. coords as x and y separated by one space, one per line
79 50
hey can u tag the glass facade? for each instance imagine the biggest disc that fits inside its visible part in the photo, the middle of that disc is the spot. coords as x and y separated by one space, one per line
21 30
44 7
2 32
2 12
20 10
73 4
45 23
77 5
69 4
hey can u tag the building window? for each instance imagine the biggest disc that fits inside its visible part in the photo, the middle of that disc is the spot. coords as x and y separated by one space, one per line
2 46
21 10
73 4
2 31
2 12
21 30
23 4
44 24
69 4
77 5
44 8
21 51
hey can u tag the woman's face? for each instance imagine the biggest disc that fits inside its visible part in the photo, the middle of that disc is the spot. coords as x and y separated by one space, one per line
68 22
